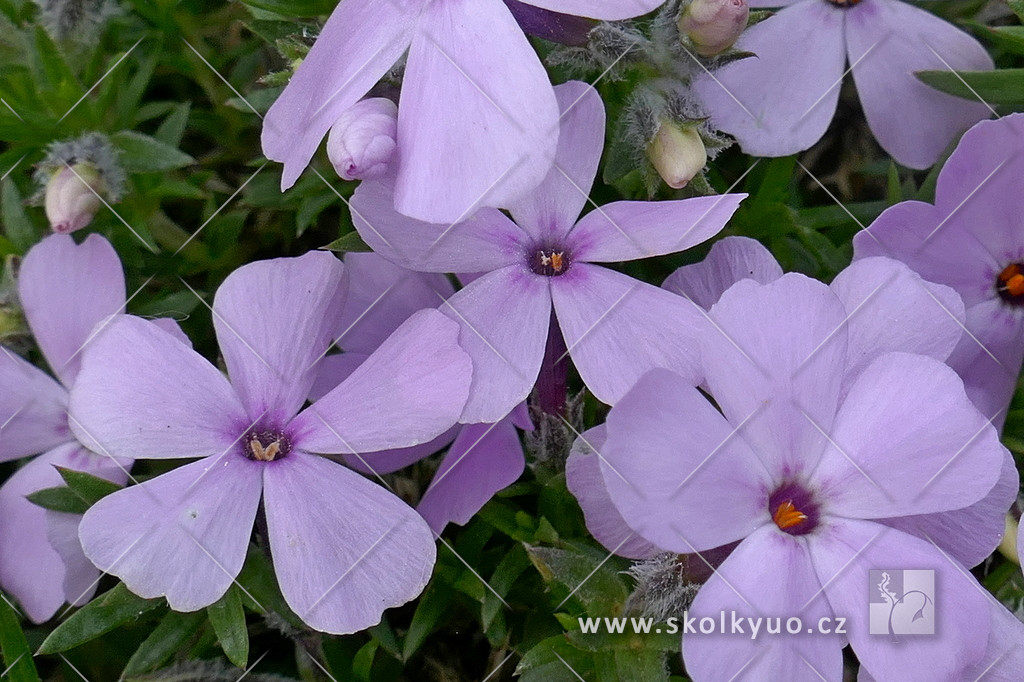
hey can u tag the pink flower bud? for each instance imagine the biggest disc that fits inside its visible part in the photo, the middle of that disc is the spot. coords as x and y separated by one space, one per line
71 200
362 141
714 25
677 153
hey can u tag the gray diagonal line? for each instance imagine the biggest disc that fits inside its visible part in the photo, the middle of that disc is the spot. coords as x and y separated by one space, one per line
960 78
813 669
472 208
566 664
234 578
840 79
149 246
949 462
965 200
845 455
72 666
598 321
965 329
845 321
833 197
319 665
230 328
447 471
222 78
842 569
472 570
352 209
221 208
14 608
351 450
746 665
102 78
216 458
498 667
11 169
11 666
98 444
719 447
252 665
11 109
764 372
600 457
714 569
721 198
96 582
445 302
720 83
964 572
596 569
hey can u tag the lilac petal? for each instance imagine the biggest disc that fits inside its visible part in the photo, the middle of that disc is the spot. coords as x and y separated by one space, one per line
892 309
182 535
66 290
275 319
586 482
483 241
971 534
550 211
409 391
609 10
173 328
553 26
846 550
669 457
781 101
628 230
989 357
334 369
359 43
344 549
772 3
504 319
478 121
617 328
889 41
484 459
730 260
381 296
31 570
774 362
33 409
1004 656
918 446
741 585
126 403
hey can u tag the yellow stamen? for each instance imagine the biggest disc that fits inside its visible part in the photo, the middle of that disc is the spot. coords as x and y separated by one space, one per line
264 454
556 261
787 516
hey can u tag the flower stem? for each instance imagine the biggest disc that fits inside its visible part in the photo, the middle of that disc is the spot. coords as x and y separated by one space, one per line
552 383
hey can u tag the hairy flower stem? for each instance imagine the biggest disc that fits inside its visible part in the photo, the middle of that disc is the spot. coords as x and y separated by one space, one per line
552 384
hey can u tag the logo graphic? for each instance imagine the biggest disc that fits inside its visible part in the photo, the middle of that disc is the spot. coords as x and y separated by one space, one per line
901 602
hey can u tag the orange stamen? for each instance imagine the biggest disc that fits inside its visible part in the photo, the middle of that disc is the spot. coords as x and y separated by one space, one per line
556 262
787 516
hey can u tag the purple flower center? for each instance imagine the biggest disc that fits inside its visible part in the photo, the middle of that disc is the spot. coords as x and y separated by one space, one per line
550 261
266 445
845 4
1010 284
793 509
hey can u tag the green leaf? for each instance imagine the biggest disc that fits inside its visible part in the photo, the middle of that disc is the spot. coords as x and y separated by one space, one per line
144 154
348 242
17 657
168 637
111 610
1007 37
228 619
433 605
17 225
90 488
59 499
1003 87
310 209
1018 8
172 129
294 8
588 576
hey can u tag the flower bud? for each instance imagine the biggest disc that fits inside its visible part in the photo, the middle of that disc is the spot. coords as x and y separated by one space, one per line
363 139
677 153
71 199
713 25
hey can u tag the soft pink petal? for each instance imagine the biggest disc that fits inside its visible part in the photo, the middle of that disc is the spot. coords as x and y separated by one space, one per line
670 457
781 101
182 535
847 550
409 391
484 459
344 549
617 328
380 296
126 403
887 42
67 289
275 319
33 409
550 211
483 241
768 576
359 43
609 10
478 120
730 260
918 446
628 230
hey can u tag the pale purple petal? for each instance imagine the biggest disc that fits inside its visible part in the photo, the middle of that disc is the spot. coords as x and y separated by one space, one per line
1004 656
846 550
126 403
551 210
67 289
483 241
887 42
478 120
560 28
617 328
730 260
892 309
774 361
669 457
344 549
609 10
333 370
586 482
409 391
781 101
918 446
275 319
182 535
484 459
33 409
971 534
628 230
359 43
381 296
504 319
768 576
